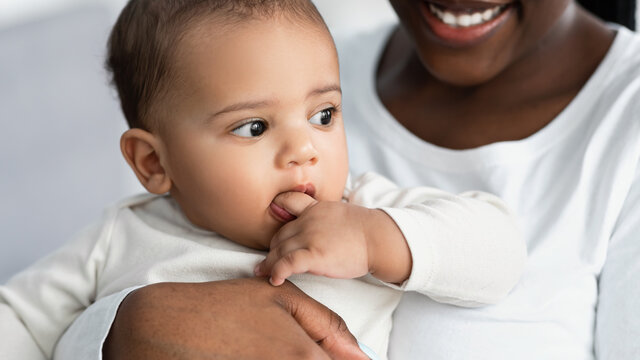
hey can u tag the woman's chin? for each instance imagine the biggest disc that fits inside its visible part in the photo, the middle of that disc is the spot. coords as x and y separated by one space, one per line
463 76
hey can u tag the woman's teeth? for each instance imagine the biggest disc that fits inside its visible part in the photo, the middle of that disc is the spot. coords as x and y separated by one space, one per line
466 19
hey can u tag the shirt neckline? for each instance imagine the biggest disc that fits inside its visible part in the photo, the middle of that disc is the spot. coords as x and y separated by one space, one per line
390 131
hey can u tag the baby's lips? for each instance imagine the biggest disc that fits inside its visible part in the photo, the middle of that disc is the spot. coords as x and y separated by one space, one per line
308 189
280 213
294 202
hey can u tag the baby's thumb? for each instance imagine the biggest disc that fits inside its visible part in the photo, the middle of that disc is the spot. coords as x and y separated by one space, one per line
295 203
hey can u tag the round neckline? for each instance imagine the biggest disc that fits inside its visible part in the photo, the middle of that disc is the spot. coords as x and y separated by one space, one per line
390 131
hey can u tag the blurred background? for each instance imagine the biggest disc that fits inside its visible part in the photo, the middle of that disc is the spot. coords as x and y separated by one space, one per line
60 123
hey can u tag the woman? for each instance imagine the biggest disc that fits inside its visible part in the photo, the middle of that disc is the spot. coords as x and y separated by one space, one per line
534 100
538 103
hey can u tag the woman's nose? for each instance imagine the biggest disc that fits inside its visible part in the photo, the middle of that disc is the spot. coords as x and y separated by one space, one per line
297 149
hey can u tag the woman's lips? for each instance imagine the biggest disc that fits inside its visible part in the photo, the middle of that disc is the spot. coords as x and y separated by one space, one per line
461 26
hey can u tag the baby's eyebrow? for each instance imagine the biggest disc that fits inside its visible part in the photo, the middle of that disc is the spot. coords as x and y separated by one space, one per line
249 105
325 89
244 105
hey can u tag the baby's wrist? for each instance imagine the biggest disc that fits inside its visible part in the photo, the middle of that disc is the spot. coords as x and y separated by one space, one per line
388 252
372 238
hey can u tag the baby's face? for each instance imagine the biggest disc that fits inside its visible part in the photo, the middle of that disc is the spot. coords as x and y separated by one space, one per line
258 114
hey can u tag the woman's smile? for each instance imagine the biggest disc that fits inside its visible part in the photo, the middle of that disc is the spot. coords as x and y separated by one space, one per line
463 24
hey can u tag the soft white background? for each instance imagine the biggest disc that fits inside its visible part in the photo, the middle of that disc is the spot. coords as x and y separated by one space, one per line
60 123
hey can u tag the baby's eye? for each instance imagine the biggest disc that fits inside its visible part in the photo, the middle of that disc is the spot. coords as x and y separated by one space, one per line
323 117
251 129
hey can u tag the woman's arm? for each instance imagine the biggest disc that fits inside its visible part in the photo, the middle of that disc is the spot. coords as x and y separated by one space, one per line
243 318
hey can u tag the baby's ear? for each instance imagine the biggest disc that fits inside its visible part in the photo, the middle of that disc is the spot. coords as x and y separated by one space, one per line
141 150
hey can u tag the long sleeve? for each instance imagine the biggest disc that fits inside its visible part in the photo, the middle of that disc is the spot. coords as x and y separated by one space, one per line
85 337
618 319
38 304
17 342
466 249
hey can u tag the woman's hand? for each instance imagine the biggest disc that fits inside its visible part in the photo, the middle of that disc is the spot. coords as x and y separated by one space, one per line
233 319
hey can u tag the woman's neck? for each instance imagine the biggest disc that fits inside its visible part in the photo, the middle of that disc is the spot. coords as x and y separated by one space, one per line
513 105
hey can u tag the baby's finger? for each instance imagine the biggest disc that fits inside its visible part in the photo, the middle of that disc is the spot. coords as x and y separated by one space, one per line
277 251
259 269
294 262
287 232
294 202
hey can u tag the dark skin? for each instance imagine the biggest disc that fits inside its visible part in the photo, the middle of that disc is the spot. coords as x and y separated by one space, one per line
507 87
504 95
233 319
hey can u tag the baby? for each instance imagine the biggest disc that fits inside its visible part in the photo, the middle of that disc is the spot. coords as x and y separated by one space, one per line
236 131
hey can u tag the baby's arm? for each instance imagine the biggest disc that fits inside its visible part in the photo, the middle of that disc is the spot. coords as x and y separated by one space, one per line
338 240
464 249
38 304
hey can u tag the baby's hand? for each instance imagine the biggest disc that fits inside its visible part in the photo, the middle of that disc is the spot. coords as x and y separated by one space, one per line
327 238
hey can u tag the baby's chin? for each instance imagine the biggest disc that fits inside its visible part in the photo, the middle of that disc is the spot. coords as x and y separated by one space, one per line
259 241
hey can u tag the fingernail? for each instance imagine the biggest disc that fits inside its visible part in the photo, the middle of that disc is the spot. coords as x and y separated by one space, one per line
257 270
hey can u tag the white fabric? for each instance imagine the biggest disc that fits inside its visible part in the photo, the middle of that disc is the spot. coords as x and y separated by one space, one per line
575 186
147 239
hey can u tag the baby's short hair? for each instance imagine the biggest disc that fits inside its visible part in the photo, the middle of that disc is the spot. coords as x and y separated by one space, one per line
143 41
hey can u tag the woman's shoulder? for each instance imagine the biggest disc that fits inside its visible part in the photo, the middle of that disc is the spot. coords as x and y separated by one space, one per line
622 62
614 88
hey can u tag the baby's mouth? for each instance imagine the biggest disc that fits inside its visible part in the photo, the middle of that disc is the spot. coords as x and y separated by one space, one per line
466 16
281 214
308 189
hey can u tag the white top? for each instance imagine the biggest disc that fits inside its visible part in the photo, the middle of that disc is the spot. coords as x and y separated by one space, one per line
466 250
575 186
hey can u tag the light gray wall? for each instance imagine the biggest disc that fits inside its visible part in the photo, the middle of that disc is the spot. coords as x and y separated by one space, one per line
16 11
59 131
